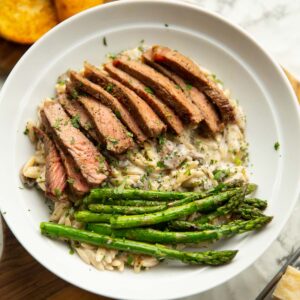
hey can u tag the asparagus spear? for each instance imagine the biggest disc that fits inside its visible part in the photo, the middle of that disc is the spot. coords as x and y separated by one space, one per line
258 203
168 237
202 205
191 226
100 194
248 212
132 202
208 257
87 216
125 210
229 207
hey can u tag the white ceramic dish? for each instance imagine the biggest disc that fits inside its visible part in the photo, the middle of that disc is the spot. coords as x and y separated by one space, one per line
253 77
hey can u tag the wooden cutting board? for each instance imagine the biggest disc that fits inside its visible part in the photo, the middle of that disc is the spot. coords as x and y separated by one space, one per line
21 277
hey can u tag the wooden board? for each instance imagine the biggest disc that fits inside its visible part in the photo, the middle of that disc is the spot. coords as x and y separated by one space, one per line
21 277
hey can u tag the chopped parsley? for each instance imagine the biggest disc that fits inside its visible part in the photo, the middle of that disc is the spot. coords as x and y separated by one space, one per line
70 181
129 134
148 170
149 90
161 140
74 94
26 131
57 124
161 164
75 121
113 141
177 86
104 41
216 79
61 82
166 25
88 126
187 172
109 87
112 55
237 161
276 146
118 114
71 251
101 162
220 175
57 192
188 87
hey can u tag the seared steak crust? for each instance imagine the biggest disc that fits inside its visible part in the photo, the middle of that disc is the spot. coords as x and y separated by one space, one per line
107 99
148 120
110 130
88 159
56 178
162 87
162 110
189 70
207 110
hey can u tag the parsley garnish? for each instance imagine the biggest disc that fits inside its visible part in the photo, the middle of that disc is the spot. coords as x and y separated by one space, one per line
118 114
26 131
161 164
74 94
276 146
57 192
216 79
129 134
149 90
166 25
57 124
112 56
61 82
113 141
104 41
109 87
177 86
75 121
161 140
219 175
70 181
188 87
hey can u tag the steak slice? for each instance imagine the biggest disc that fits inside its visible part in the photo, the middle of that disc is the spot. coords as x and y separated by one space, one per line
107 99
148 120
77 183
110 130
162 87
162 110
56 179
211 118
77 112
88 159
189 70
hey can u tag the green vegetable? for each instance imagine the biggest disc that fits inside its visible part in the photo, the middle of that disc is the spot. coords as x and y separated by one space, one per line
87 216
202 205
207 258
276 146
258 203
75 121
168 237
125 210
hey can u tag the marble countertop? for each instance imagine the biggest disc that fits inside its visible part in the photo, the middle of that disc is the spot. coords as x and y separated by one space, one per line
275 25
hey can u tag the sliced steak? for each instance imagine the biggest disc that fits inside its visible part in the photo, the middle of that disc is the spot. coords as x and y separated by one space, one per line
206 108
162 110
88 159
110 130
162 87
78 185
189 70
56 178
107 99
147 118
78 114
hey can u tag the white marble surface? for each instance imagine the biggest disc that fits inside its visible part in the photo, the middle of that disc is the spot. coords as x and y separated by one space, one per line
275 25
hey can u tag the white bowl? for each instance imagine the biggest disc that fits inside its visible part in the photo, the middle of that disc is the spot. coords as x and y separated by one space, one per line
254 79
